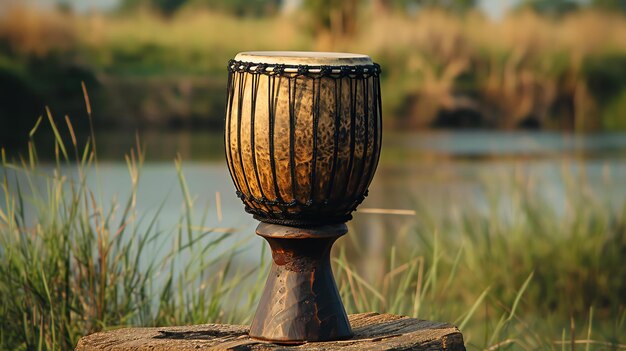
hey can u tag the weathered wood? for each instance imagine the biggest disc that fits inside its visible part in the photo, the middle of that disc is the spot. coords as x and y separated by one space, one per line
372 331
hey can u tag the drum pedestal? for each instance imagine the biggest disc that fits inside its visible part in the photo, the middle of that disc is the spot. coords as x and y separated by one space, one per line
300 301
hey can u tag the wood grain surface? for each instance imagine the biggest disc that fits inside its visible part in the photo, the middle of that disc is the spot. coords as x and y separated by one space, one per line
372 331
300 301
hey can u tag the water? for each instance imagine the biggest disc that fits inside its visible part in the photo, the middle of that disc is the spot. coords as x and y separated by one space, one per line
447 171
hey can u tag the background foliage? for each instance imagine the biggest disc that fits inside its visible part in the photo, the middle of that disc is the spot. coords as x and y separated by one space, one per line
160 63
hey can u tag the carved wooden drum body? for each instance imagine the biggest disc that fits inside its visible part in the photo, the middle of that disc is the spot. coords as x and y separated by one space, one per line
303 134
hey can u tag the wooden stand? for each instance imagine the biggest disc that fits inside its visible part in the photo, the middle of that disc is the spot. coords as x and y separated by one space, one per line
300 302
372 331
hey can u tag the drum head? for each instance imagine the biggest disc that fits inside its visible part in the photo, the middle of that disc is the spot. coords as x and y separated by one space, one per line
311 58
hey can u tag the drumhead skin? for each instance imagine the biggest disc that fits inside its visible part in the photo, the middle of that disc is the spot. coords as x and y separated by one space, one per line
303 134
312 58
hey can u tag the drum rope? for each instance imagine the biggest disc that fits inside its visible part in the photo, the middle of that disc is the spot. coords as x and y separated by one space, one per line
272 114
277 210
320 71
316 114
253 97
241 90
229 155
359 185
291 85
338 108
352 135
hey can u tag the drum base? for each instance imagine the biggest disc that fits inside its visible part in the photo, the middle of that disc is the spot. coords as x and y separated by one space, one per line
300 302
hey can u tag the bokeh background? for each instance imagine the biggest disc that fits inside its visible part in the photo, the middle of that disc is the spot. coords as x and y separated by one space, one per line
499 203
508 65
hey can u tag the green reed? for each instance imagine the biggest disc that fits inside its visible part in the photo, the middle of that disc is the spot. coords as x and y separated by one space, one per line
71 264
519 274
516 274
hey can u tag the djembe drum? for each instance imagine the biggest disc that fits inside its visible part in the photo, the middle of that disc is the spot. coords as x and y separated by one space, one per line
303 138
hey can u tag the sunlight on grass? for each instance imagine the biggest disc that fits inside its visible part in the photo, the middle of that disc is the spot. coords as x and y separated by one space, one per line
72 264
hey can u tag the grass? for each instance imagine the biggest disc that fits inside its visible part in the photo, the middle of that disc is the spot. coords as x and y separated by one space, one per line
71 264
518 274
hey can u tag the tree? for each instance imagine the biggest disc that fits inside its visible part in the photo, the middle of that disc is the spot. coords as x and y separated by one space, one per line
166 7
240 7
456 6
333 16
234 7
411 7
610 5
407 6
553 8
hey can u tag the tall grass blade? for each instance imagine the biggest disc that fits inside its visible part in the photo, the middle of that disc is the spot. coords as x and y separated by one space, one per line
59 140
472 309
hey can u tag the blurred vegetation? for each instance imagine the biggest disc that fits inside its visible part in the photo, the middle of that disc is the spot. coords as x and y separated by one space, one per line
550 7
161 63
560 7
610 5
232 7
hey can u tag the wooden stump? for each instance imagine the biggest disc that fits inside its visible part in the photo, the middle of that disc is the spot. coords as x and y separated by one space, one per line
372 331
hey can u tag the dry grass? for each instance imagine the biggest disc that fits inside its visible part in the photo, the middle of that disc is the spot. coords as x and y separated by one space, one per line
524 67
30 32
192 30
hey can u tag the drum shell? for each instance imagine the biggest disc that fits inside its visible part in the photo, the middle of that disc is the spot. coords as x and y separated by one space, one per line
302 150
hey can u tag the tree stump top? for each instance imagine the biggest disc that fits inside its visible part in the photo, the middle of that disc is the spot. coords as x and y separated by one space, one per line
372 331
